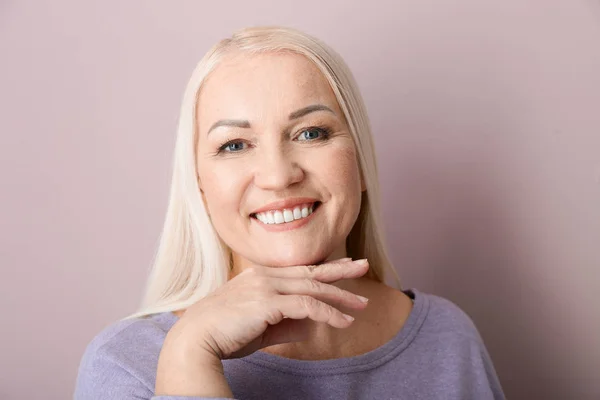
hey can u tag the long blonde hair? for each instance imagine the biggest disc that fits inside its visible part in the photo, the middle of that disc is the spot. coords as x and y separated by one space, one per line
191 260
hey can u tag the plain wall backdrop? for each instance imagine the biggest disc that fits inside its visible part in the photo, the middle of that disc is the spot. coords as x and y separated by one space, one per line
486 117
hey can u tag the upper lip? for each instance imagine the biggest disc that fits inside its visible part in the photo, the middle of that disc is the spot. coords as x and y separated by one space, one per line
287 203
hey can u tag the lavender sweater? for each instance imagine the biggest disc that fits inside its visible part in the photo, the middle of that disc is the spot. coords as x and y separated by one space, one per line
438 354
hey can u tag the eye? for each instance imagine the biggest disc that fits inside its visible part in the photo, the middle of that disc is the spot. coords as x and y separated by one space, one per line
233 146
314 133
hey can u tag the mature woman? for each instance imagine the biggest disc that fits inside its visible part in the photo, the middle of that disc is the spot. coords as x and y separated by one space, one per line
269 277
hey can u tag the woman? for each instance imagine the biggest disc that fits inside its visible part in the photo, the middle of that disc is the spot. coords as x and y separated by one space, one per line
269 278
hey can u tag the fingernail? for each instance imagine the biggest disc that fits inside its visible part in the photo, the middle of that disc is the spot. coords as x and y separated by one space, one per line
349 317
345 259
361 262
363 299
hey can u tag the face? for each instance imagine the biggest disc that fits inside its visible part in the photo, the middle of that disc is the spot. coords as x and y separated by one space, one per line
277 166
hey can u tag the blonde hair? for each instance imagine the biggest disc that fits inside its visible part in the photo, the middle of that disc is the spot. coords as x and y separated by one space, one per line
191 260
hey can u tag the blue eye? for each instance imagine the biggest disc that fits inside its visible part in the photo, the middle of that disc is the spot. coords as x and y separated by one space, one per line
232 147
313 133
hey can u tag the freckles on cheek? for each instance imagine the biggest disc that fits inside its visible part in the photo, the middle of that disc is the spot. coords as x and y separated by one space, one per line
344 165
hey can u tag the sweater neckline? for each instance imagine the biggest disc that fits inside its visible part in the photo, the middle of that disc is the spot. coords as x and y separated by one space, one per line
362 362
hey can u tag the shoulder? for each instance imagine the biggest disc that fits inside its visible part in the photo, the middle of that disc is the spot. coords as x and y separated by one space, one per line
445 330
124 355
444 317
127 340
449 339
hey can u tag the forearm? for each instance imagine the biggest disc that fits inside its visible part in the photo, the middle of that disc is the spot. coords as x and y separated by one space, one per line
180 374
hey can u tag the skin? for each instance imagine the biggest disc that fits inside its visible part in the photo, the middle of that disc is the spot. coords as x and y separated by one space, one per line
276 158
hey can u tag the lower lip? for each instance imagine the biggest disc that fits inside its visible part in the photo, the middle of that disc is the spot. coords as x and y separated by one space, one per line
288 226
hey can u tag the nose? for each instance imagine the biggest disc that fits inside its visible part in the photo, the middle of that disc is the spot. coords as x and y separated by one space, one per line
277 169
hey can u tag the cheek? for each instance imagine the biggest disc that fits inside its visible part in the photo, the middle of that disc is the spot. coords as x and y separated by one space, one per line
342 168
344 178
221 186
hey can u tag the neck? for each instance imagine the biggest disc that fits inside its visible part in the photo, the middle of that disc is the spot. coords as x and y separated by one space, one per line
326 342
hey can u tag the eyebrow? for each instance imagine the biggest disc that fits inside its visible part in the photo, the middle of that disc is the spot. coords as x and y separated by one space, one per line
239 123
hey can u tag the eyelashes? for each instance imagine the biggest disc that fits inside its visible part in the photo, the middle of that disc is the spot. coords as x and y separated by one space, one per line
234 145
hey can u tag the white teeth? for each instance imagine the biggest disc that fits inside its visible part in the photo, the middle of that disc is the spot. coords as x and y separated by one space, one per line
286 215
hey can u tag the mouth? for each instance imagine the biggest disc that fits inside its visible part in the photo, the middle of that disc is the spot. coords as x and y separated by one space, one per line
288 215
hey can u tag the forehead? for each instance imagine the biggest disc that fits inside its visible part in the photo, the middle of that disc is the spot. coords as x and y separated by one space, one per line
262 86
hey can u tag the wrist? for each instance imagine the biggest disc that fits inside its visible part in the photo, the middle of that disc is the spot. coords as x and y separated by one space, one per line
181 372
182 347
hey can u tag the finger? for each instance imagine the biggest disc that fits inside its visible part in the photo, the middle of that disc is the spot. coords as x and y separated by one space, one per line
321 291
301 307
329 272
273 271
345 259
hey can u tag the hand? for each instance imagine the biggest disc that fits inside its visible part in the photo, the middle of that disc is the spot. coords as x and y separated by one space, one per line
264 306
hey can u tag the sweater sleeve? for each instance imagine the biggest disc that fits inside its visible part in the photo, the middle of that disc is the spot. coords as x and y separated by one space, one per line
104 377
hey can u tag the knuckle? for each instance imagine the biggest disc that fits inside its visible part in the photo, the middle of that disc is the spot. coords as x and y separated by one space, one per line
274 316
312 285
308 270
331 312
341 292
307 302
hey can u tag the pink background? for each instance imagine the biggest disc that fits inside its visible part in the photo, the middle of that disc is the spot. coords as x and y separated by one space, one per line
487 125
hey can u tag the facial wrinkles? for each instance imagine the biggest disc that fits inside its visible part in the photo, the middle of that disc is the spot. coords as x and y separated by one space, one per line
265 96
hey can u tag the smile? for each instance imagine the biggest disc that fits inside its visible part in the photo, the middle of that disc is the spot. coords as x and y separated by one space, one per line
286 215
